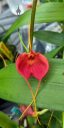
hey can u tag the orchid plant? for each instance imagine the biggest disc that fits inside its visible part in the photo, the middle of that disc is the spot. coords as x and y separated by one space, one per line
35 81
32 63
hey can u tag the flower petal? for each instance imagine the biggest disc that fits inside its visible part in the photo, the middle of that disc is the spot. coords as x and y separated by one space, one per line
22 67
28 112
41 71
40 67
32 64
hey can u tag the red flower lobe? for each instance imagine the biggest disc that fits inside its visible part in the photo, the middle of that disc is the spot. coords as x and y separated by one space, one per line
32 64
29 112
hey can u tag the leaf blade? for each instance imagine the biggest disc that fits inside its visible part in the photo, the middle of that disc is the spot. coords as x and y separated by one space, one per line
50 37
5 122
53 84
52 11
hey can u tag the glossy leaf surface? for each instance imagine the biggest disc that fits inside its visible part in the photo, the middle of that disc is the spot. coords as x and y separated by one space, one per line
5 121
46 12
51 95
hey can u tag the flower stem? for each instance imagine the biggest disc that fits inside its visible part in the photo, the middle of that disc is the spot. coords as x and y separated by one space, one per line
33 101
20 37
32 24
50 120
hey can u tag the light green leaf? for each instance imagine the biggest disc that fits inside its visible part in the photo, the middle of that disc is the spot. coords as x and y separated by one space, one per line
5 121
46 12
54 52
51 95
50 37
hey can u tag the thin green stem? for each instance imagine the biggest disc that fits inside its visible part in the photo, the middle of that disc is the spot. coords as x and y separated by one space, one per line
50 120
22 42
34 98
32 24
63 119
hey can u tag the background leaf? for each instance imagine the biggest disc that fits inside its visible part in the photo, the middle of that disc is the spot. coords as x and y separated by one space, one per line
5 121
50 37
54 52
51 95
46 12
56 118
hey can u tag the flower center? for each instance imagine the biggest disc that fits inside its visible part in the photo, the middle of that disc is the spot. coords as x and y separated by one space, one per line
31 58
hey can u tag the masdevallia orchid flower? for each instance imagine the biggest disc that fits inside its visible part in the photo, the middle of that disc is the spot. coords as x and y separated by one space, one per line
32 64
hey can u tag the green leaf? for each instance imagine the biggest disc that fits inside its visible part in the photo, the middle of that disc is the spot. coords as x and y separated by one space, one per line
46 12
50 37
56 120
54 52
5 122
30 120
57 116
51 95
54 124
44 119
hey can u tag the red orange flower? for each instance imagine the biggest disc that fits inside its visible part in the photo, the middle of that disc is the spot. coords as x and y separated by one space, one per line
29 112
32 64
